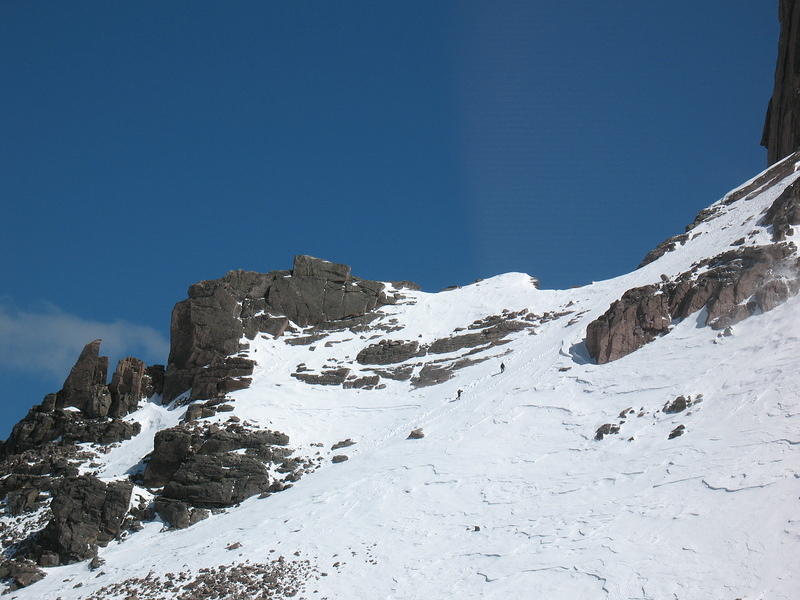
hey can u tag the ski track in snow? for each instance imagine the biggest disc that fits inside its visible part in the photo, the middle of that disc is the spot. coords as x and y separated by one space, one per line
508 495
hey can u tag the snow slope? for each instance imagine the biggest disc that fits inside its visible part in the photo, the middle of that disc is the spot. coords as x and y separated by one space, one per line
509 495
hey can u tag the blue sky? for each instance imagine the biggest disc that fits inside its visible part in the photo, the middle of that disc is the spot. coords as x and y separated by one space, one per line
149 145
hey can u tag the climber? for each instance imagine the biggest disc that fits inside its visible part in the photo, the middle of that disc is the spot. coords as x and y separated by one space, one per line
502 367
458 394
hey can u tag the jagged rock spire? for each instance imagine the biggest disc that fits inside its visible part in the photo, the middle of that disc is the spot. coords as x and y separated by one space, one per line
782 126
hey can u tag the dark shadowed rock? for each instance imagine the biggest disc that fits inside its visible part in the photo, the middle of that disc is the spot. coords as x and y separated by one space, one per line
784 212
678 431
606 429
127 387
680 404
86 513
327 377
416 434
209 325
177 514
343 444
211 467
782 126
85 387
171 447
217 480
387 352
339 458
222 376
433 374
40 427
366 383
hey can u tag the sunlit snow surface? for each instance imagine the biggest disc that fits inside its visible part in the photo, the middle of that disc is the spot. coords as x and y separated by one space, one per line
509 495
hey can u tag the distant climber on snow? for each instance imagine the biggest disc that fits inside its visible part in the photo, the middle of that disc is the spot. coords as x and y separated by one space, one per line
502 367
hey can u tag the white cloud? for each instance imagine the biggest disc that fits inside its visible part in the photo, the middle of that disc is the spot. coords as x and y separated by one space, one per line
48 340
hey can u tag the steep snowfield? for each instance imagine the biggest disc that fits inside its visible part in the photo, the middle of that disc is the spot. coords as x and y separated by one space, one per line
509 495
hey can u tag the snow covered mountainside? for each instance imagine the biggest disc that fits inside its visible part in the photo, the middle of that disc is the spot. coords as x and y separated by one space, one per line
636 438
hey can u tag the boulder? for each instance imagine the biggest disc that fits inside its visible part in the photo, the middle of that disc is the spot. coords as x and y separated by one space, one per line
416 434
86 513
177 514
20 572
606 429
387 352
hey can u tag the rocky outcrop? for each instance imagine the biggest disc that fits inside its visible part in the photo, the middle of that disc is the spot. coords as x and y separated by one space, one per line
85 388
209 325
730 286
129 384
784 212
86 513
177 514
41 426
217 480
212 467
326 377
387 352
782 126
80 411
221 376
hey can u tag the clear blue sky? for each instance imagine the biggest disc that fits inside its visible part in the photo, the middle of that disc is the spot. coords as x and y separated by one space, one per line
147 145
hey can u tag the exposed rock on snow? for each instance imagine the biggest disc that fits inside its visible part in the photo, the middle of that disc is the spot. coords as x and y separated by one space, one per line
86 513
731 286
784 213
218 313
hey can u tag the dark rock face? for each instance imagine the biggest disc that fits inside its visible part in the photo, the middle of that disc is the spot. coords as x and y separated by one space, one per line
85 387
387 352
367 382
736 284
211 322
202 468
606 429
784 212
127 386
171 448
218 480
677 432
222 376
86 513
782 126
327 377
177 514
680 404
39 427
